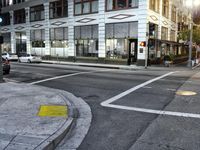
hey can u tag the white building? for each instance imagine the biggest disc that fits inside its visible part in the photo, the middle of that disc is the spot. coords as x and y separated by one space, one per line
103 31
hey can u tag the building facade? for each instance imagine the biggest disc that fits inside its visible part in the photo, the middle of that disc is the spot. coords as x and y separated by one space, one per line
125 31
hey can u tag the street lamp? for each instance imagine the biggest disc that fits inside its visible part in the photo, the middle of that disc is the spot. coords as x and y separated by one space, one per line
191 4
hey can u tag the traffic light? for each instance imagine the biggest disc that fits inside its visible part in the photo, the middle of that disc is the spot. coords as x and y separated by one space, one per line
143 44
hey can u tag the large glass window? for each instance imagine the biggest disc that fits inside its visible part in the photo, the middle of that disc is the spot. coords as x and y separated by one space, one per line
18 1
165 8
153 31
19 16
120 4
85 6
154 5
6 46
173 17
164 34
117 38
117 48
5 19
38 38
173 35
58 9
86 41
37 13
59 37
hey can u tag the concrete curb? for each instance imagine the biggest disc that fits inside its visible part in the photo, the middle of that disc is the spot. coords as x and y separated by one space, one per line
78 110
108 66
80 126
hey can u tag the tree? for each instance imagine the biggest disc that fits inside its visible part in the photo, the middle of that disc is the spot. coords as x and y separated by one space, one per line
185 35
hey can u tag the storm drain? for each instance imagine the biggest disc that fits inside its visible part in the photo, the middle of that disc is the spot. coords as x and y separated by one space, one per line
186 93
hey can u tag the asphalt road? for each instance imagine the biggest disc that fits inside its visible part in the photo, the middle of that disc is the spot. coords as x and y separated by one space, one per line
112 128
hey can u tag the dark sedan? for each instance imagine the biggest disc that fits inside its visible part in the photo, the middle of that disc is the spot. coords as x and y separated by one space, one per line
6 66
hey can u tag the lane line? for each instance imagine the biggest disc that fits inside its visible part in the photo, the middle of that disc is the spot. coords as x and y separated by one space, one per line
173 90
144 110
115 98
64 76
147 87
158 112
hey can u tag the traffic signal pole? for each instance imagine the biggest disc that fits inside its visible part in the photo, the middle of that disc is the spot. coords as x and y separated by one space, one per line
1 63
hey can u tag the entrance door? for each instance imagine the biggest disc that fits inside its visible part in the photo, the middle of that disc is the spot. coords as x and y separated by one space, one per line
132 57
20 42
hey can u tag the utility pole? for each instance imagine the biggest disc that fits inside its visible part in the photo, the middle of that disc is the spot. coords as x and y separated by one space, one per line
1 41
191 43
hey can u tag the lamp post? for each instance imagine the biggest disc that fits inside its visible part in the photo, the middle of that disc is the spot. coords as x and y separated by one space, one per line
191 4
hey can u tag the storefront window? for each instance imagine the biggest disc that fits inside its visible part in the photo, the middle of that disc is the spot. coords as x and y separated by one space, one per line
86 41
37 38
59 37
87 48
117 48
6 46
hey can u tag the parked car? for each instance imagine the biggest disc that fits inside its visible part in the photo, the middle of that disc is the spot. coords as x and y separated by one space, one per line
5 65
29 58
10 56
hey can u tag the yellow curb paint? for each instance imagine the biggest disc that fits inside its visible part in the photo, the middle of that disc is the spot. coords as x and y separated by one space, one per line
53 111
186 93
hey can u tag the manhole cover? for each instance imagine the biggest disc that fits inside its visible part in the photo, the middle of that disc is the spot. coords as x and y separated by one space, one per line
53 111
186 93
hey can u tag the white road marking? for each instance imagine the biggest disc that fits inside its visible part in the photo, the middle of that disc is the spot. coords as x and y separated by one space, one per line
64 76
158 112
144 110
105 103
171 90
147 87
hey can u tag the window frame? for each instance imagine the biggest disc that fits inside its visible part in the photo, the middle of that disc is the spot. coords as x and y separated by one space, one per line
154 5
173 13
116 8
82 3
165 8
34 11
17 14
63 6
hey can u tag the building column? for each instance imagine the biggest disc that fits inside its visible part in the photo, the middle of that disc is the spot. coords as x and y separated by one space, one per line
142 31
28 32
170 18
47 32
13 39
160 21
71 49
102 38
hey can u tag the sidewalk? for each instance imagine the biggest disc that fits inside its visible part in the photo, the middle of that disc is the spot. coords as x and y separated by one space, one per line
25 125
122 67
